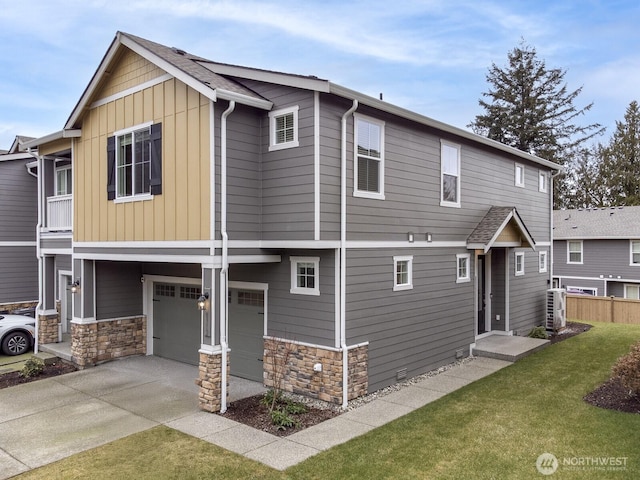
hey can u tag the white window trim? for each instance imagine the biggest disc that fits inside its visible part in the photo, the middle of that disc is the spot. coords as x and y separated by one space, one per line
631 264
519 179
634 285
363 193
569 262
457 147
594 291
403 286
133 197
466 278
55 186
543 181
518 273
272 128
542 266
294 275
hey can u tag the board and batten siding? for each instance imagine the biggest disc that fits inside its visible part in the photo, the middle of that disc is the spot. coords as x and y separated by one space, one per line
303 318
418 329
181 212
118 290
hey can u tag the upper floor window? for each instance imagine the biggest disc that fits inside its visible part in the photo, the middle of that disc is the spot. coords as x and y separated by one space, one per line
463 272
574 251
449 174
134 162
519 175
542 182
519 264
304 275
635 252
63 180
369 155
403 269
283 128
542 262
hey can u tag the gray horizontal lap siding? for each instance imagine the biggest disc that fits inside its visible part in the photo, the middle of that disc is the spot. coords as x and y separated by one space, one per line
412 189
18 274
527 294
118 290
18 202
304 318
418 329
55 243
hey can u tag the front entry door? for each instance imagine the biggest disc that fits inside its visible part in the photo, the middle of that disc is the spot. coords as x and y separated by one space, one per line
482 295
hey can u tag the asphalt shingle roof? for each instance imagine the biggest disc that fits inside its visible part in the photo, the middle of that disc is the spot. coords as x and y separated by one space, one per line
489 225
608 222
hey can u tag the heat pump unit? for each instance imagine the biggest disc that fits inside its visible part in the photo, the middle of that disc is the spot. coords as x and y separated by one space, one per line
556 309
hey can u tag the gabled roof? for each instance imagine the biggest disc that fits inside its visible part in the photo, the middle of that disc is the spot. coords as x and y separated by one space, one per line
597 223
496 222
176 62
219 80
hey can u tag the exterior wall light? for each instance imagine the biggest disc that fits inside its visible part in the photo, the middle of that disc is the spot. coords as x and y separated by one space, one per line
429 237
75 286
410 237
203 302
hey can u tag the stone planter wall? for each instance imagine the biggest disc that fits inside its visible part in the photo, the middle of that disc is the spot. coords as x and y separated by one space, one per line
210 381
292 364
106 340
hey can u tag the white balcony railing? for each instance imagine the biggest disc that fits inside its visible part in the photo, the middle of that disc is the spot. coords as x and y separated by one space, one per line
59 212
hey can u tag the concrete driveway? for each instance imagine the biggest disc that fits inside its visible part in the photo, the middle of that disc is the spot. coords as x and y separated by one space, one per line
50 419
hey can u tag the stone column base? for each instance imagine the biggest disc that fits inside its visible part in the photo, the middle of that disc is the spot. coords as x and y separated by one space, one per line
48 327
210 381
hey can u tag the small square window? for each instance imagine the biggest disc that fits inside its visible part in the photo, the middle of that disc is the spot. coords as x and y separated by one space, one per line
283 128
463 271
635 252
519 175
542 262
632 292
403 273
519 263
574 251
542 182
304 275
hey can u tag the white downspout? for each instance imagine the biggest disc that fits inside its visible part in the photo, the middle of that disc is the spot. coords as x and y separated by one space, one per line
225 253
39 176
343 257
553 175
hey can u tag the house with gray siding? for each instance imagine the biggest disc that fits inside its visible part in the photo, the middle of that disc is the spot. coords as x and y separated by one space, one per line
18 219
220 213
596 251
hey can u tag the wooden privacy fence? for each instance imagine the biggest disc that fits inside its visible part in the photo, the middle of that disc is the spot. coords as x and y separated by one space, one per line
603 309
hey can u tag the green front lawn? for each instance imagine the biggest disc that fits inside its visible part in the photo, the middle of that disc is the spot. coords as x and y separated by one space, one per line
494 428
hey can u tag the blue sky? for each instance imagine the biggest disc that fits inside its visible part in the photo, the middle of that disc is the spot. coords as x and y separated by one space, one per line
430 56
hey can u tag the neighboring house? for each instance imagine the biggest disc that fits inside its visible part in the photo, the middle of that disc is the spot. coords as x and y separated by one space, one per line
596 251
286 207
18 219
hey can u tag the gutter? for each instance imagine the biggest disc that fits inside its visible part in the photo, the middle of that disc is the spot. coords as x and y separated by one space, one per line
39 176
550 260
343 256
224 271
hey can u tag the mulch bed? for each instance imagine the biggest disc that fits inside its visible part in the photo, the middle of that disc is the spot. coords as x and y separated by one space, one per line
14 378
613 396
572 329
252 413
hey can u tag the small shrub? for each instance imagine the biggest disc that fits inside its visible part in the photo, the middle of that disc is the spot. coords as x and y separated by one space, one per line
294 408
32 367
538 332
627 370
271 397
282 419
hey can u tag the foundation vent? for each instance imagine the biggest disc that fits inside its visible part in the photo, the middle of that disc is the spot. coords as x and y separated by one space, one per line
401 374
459 353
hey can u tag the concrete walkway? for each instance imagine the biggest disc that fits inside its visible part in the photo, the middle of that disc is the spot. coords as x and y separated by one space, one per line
50 419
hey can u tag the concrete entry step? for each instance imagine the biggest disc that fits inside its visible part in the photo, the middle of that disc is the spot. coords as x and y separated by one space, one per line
47 358
506 347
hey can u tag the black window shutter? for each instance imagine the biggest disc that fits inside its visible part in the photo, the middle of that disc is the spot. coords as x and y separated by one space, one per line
156 159
111 168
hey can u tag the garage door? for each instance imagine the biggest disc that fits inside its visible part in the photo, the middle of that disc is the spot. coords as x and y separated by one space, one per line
246 320
176 322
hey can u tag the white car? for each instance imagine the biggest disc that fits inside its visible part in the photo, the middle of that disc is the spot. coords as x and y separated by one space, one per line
17 333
